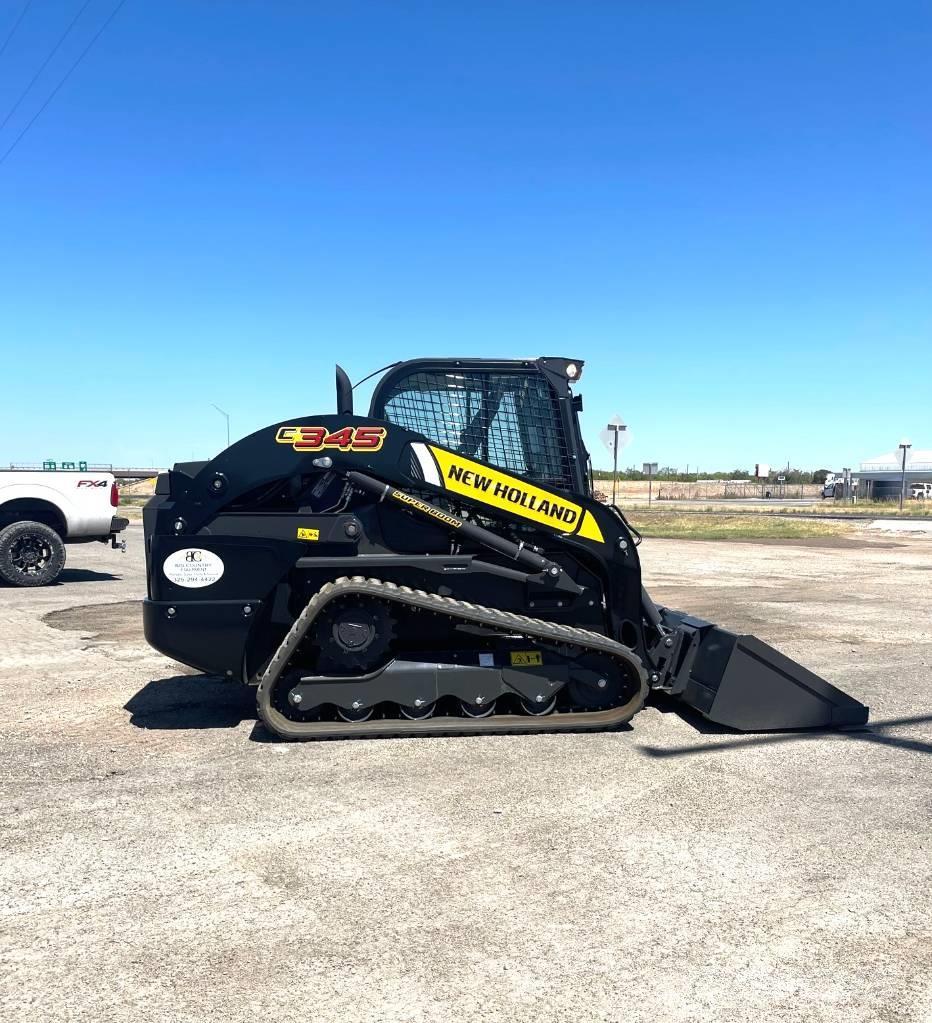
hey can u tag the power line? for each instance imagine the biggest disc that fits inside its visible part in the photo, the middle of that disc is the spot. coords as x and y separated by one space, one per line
44 65
67 75
22 14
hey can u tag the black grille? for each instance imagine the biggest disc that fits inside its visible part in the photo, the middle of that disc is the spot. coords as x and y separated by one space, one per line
510 420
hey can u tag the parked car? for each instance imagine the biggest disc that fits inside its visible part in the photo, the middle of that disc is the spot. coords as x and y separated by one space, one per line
833 486
41 511
921 491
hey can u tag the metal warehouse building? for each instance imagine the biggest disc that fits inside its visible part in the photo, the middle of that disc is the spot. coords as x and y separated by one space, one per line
880 478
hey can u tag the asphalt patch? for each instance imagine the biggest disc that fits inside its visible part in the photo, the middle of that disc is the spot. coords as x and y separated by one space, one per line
103 624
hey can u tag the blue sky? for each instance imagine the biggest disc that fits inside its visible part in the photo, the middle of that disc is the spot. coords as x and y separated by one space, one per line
724 208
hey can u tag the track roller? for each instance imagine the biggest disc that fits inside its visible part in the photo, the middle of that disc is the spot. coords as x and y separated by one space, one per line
539 707
478 709
354 713
420 712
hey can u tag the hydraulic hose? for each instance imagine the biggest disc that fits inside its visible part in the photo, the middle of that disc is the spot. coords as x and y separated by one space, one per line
529 559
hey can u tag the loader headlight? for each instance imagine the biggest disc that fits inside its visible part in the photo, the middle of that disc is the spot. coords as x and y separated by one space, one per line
572 370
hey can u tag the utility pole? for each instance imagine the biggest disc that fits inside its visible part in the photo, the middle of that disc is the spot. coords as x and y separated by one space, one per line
226 415
904 447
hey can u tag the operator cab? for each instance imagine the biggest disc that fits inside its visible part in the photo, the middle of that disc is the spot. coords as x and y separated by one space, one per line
518 415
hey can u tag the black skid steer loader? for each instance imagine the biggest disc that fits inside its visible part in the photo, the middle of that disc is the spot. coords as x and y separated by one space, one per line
440 566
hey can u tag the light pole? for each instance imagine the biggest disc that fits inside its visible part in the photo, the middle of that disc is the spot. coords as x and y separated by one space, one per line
226 415
615 429
904 447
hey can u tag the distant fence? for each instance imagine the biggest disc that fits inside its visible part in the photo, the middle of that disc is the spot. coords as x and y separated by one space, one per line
727 490
894 467
121 472
708 490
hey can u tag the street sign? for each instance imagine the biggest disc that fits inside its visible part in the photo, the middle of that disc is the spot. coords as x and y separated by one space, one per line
649 468
616 428
615 436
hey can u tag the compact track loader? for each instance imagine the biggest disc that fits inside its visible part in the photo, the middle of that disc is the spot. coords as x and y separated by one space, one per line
437 567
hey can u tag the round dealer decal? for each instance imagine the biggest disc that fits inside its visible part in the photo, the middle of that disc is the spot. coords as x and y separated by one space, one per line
193 567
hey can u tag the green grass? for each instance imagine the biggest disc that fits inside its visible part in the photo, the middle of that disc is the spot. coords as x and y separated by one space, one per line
873 509
880 509
740 526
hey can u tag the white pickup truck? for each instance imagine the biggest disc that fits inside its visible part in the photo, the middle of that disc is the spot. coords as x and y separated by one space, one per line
42 511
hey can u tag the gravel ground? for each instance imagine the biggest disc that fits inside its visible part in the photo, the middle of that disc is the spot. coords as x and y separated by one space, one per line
162 860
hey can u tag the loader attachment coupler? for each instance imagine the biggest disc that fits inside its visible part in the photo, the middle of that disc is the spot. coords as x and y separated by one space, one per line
741 682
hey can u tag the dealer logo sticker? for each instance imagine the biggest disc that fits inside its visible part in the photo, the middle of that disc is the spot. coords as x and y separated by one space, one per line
193 568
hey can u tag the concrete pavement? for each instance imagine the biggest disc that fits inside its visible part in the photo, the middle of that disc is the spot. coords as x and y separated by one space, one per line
162 860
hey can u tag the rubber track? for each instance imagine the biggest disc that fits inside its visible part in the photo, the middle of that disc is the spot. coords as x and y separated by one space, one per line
506 621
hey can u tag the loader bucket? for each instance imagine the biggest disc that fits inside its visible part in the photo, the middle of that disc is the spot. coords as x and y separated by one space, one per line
743 683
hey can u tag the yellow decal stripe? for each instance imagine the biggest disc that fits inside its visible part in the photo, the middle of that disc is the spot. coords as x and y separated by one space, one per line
511 494
590 528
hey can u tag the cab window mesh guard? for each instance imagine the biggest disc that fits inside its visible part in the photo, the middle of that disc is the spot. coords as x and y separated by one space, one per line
510 420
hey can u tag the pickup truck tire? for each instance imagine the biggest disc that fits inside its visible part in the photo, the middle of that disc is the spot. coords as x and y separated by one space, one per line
31 554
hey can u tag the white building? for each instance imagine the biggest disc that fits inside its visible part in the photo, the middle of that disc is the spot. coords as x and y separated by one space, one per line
882 477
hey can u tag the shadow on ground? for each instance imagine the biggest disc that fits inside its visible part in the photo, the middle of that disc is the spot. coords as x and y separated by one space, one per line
209 701
86 575
74 575
192 701
874 732
670 705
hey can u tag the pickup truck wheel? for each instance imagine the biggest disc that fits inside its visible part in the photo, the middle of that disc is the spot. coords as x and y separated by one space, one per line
31 554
